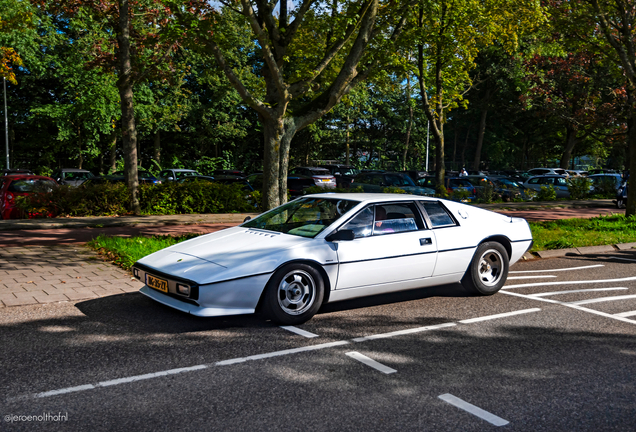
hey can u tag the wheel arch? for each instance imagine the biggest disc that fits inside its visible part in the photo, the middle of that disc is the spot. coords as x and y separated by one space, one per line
316 265
501 239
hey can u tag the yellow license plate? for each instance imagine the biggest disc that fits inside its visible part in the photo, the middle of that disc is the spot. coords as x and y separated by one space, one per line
156 283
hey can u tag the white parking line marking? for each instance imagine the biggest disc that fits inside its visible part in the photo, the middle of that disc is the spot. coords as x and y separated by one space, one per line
501 315
253 357
581 308
281 353
299 331
571 282
574 291
559 269
626 314
603 299
370 362
476 411
529 277
403 332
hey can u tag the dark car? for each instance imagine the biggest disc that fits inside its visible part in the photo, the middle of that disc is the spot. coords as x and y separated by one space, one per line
174 174
376 182
222 179
229 172
296 184
558 182
344 174
144 177
322 177
17 171
72 176
451 184
12 186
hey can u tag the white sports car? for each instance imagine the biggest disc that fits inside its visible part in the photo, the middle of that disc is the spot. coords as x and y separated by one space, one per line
328 247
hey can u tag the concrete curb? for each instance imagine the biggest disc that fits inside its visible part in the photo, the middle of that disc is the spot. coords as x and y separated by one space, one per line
558 253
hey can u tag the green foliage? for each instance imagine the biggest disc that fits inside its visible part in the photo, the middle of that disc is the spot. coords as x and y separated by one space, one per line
318 190
460 194
394 190
486 193
546 193
168 198
579 187
604 189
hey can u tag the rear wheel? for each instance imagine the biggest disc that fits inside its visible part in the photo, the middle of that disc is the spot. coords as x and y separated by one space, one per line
294 294
620 203
488 270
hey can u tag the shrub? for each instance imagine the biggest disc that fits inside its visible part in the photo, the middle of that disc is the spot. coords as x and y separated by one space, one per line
460 194
605 188
546 193
486 193
393 189
579 187
113 199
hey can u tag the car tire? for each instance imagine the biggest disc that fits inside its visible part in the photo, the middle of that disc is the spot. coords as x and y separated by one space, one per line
620 203
488 269
294 294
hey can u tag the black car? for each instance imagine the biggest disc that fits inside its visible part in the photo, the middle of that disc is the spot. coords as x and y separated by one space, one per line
222 179
344 174
296 184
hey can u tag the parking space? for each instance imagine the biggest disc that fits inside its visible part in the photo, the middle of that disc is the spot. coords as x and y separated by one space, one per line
555 350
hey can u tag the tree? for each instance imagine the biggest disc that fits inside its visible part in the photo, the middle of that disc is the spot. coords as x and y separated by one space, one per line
449 35
310 57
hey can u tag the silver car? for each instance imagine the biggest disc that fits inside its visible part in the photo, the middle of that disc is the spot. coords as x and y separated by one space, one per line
558 182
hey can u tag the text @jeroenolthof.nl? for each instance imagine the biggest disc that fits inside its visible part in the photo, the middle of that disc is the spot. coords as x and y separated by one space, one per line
44 417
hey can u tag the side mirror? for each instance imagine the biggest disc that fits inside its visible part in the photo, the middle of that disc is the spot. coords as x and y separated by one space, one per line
247 218
341 235
170 178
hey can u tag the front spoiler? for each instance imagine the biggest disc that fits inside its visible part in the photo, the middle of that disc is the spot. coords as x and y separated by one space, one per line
191 308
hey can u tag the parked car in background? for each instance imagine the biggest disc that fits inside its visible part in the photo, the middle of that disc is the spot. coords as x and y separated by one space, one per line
605 182
296 184
72 176
451 184
577 173
375 182
509 188
344 174
12 186
227 180
143 176
558 182
229 172
545 171
17 171
331 247
322 177
176 174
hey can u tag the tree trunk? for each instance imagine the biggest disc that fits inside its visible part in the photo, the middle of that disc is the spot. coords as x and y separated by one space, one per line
631 139
156 149
125 86
570 143
482 130
113 152
408 130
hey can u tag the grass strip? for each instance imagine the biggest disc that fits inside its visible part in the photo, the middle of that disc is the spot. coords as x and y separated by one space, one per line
547 235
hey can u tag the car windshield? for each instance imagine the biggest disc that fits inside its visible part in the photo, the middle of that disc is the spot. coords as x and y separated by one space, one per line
181 174
306 217
31 185
78 175
320 172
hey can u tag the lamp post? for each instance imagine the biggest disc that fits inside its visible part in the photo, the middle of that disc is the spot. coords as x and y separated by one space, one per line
6 119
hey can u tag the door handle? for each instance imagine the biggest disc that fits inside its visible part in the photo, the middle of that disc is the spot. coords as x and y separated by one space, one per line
426 241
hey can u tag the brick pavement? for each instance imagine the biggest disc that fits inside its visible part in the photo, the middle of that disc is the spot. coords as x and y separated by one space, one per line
48 274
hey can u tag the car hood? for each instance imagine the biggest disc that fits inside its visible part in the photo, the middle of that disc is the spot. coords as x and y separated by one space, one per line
230 253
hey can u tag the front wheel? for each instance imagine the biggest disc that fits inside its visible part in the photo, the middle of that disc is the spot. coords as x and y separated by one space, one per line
488 270
294 294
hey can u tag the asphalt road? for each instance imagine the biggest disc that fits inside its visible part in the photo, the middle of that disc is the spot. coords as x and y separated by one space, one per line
539 356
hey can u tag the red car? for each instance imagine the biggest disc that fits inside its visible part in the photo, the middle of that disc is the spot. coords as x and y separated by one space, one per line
21 185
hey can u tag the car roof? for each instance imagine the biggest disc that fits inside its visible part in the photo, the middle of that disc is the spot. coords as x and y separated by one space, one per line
371 197
27 177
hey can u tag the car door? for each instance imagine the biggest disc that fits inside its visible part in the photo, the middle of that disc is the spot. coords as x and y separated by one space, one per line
561 187
392 245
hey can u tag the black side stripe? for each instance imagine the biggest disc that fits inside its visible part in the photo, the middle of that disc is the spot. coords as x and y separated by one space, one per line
390 257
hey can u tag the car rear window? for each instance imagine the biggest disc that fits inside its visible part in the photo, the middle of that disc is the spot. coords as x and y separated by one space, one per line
32 185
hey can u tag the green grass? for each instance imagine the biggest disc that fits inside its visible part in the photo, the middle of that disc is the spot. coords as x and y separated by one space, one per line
561 234
571 233
125 251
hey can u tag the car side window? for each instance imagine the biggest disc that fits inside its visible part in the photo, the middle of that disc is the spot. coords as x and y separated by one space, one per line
561 181
533 181
437 214
361 224
395 218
